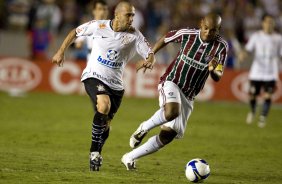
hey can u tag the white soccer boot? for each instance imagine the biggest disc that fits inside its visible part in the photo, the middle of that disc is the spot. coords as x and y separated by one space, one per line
137 137
95 161
130 164
250 118
262 121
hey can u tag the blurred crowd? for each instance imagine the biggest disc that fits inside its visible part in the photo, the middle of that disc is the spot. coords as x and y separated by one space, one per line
44 20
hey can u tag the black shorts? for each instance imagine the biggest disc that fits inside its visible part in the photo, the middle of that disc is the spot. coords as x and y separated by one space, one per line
268 87
96 87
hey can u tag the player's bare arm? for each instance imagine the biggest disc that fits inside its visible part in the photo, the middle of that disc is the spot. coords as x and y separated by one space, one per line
151 59
243 55
159 45
58 58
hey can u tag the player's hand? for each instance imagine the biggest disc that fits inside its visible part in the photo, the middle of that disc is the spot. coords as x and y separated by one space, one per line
139 65
147 64
242 56
58 59
213 64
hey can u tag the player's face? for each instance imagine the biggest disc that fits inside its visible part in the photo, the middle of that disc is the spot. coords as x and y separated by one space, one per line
209 29
268 24
100 12
125 17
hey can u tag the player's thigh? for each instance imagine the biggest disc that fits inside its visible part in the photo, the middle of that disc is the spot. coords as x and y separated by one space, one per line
179 124
255 87
186 107
94 87
168 93
116 99
269 88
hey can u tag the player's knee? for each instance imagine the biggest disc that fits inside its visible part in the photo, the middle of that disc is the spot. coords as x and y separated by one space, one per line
172 110
267 96
252 96
167 135
104 107
253 93
103 104
108 124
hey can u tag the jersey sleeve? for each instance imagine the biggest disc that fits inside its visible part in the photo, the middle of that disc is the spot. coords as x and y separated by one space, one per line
80 39
142 46
250 46
222 56
175 35
86 29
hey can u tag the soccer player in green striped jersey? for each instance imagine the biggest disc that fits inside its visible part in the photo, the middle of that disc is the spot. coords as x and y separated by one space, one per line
202 53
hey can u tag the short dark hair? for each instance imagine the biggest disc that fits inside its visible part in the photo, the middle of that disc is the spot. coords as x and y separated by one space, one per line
266 15
95 2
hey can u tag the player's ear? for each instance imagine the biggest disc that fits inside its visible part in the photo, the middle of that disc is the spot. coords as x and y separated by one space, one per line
201 23
218 29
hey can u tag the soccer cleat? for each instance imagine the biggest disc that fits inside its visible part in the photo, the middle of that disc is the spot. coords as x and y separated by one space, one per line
95 161
137 137
262 122
130 164
250 118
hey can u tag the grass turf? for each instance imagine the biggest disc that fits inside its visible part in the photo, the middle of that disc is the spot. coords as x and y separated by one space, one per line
45 138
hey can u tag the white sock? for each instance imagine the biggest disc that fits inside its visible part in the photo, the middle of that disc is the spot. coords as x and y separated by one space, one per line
157 119
152 145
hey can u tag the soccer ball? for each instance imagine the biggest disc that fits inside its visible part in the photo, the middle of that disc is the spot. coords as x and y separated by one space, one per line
197 170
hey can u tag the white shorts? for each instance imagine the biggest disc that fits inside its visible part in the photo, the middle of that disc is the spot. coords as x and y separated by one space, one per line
170 92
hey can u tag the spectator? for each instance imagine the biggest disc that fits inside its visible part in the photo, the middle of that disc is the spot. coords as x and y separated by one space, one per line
45 18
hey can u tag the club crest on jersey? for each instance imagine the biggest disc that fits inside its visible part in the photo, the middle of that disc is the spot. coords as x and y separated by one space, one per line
125 40
208 58
102 26
100 87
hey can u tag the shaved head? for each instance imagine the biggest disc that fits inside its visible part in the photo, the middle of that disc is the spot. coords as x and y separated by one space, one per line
122 6
210 25
124 13
213 18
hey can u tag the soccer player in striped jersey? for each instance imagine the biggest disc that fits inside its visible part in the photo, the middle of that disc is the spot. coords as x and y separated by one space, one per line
267 47
114 44
202 53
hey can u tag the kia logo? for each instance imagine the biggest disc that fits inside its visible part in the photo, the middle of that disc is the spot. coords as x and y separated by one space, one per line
18 74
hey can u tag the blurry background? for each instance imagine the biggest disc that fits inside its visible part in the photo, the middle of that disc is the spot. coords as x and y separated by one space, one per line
18 18
45 23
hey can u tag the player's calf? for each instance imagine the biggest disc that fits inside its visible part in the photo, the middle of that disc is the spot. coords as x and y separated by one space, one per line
167 135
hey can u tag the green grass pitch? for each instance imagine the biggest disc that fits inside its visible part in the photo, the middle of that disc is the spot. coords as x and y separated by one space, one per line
45 138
